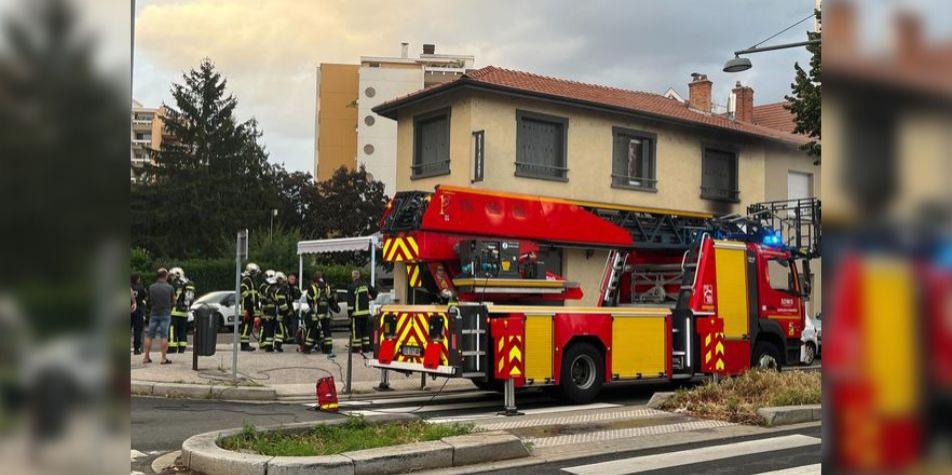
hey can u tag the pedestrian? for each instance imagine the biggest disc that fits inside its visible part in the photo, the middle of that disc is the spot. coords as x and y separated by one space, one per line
359 295
184 295
283 305
250 304
294 296
139 295
321 301
268 312
161 298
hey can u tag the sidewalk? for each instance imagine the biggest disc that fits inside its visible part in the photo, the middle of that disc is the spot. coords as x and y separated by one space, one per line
262 376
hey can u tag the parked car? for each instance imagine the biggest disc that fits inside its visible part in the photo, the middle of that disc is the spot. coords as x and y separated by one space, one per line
222 304
812 338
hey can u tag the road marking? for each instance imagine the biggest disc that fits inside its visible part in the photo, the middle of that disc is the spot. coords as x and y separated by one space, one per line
414 399
613 434
804 470
601 416
137 455
703 454
542 410
426 408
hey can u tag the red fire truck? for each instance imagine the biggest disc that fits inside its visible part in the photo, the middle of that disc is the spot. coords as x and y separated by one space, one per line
682 293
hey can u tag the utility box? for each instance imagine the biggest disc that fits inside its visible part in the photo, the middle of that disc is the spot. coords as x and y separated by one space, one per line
206 332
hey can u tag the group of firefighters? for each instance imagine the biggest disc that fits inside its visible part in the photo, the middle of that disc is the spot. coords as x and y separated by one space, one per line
269 296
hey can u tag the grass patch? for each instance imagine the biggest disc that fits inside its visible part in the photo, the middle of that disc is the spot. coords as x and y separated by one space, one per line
328 439
737 399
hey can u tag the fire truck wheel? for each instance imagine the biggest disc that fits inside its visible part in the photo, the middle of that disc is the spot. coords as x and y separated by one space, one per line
583 372
766 356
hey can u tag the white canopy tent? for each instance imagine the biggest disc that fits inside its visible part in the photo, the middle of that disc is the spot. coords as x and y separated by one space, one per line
325 246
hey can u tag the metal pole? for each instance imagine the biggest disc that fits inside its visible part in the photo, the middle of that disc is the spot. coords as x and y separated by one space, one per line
776 47
384 380
350 361
373 262
238 310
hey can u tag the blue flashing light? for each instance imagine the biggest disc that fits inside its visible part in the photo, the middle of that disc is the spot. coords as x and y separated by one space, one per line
773 239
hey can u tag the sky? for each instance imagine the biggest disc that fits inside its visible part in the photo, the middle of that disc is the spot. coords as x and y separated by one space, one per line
269 49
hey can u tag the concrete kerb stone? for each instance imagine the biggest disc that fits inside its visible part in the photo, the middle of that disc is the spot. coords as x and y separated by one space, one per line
784 415
659 398
202 453
203 391
142 388
481 447
197 391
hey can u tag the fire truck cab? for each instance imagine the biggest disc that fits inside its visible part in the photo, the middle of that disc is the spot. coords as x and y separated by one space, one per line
682 294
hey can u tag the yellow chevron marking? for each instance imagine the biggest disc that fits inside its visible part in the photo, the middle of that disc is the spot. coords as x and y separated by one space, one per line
514 371
515 354
500 365
415 249
500 345
719 365
719 349
391 249
707 340
386 246
707 357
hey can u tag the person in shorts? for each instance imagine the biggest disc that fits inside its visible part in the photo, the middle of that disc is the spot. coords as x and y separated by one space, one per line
161 296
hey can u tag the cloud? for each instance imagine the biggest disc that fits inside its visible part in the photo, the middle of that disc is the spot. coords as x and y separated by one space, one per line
269 49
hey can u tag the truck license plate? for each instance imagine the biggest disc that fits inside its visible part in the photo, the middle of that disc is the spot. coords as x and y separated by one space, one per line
411 351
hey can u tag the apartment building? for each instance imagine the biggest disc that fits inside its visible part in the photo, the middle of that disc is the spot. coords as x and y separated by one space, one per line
146 136
507 130
348 133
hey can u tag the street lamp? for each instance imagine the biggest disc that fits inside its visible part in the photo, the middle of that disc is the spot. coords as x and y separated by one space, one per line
274 212
738 64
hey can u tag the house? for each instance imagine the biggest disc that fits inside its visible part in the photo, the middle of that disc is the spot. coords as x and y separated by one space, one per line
506 130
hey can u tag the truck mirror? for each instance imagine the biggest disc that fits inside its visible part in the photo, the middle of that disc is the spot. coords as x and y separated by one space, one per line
805 288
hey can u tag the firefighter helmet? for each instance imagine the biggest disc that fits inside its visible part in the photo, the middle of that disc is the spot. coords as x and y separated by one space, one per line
252 268
177 273
280 277
269 274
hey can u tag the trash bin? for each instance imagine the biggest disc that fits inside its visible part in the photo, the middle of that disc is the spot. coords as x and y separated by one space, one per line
206 332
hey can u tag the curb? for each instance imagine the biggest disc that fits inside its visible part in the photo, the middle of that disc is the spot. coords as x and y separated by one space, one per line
201 453
659 398
784 415
203 391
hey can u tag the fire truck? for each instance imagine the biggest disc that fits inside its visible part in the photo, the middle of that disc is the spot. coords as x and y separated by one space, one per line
683 294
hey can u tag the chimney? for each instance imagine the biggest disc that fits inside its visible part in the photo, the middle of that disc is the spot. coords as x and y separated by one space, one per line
908 37
404 50
839 29
429 49
699 92
743 103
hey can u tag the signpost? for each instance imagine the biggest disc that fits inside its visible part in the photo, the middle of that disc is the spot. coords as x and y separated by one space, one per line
241 253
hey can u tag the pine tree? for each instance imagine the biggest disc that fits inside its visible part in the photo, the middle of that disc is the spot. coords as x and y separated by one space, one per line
211 176
805 99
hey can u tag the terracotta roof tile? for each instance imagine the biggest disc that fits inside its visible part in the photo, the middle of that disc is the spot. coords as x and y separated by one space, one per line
774 116
597 95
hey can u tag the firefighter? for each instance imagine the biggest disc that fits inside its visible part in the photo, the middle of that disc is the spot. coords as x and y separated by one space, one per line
359 295
321 301
280 293
184 293
268 312
294 296
250 304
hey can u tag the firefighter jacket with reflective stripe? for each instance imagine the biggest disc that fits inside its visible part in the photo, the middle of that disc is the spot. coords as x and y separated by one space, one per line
359 296
321 300
267 300
184 291
280 295
250 300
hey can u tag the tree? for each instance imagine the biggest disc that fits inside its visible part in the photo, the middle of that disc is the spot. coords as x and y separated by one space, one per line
805 99
211 176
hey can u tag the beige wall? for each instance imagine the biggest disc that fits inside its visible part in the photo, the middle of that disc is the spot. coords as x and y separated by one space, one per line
678 152
336 119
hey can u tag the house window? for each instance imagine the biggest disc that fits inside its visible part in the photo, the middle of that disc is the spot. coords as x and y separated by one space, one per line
541 142
719 175
431 144
633 159
479 155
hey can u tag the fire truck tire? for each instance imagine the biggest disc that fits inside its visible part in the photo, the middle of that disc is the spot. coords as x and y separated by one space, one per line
766 356
582 374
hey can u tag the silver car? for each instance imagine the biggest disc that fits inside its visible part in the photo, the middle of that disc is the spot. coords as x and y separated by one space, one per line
222 305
